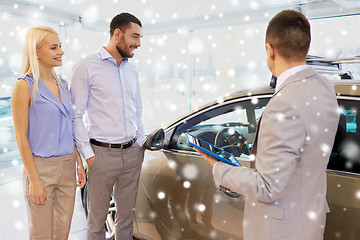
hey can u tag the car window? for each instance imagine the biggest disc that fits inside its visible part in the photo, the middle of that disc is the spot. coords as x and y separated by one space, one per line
231 127
345 154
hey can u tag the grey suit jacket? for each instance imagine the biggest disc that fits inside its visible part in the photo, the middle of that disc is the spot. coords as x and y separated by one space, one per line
286 192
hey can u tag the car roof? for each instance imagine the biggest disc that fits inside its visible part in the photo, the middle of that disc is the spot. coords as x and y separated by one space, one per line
342 88
347 87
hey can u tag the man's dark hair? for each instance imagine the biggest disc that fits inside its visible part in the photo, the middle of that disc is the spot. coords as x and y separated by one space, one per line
122 21
289 34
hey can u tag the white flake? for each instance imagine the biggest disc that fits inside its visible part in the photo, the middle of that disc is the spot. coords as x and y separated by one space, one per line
15 163
190 171
254 5
358 194
254 101
186 184
152 215
196 46
201 207
172 164
213 235
231 131
161 195
231 72
280 117
16 203
19 225
325 148
90 15
173 107
352 150
312 215
220 100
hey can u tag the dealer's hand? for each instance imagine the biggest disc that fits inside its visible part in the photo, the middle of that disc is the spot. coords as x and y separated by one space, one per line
207 157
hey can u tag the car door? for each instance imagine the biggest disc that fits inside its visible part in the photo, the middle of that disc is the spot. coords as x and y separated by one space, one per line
177 195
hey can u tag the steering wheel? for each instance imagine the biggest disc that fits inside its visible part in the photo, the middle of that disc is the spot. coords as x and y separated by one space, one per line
232 141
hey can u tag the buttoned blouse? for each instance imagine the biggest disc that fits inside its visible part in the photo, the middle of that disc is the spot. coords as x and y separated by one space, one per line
50 121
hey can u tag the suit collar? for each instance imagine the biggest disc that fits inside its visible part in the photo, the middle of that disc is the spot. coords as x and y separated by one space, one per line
301 75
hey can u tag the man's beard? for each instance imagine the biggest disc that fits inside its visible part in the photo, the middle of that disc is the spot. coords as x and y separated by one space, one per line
123 53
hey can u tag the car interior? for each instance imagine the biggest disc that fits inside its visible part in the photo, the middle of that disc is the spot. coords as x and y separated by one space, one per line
231 127
346 149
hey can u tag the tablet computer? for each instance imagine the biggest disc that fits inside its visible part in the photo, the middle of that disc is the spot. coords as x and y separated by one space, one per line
212 150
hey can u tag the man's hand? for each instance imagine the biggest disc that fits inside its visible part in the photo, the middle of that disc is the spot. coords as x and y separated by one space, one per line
207 157
90 161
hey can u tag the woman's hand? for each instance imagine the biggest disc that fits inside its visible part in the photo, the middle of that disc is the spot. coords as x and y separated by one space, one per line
37 192
81 176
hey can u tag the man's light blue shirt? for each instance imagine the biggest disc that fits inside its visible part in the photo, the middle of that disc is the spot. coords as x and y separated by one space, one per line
111 97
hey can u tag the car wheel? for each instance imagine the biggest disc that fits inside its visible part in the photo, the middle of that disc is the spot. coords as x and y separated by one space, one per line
110 219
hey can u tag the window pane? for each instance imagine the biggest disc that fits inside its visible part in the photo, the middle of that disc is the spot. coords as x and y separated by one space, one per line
230 127
345 155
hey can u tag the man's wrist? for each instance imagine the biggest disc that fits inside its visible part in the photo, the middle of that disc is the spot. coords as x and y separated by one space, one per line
87 152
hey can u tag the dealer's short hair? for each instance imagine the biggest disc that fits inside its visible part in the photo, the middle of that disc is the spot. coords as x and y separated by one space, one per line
289 33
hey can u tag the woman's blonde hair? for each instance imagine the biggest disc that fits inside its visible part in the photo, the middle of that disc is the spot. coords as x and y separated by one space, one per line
33 41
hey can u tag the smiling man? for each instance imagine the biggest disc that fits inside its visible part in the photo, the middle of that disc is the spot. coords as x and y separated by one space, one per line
106 85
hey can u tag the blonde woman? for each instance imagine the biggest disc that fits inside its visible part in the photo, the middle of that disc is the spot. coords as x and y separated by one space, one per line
42 113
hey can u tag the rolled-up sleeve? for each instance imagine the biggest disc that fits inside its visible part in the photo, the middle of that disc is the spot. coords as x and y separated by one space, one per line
140 133
80 88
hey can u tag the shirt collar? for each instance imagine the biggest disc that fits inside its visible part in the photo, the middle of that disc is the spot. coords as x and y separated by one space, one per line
104 54
288 73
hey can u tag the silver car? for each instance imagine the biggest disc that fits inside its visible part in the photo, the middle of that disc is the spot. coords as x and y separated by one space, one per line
177 198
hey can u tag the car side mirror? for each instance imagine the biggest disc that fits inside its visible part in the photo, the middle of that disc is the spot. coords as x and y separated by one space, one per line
155 140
